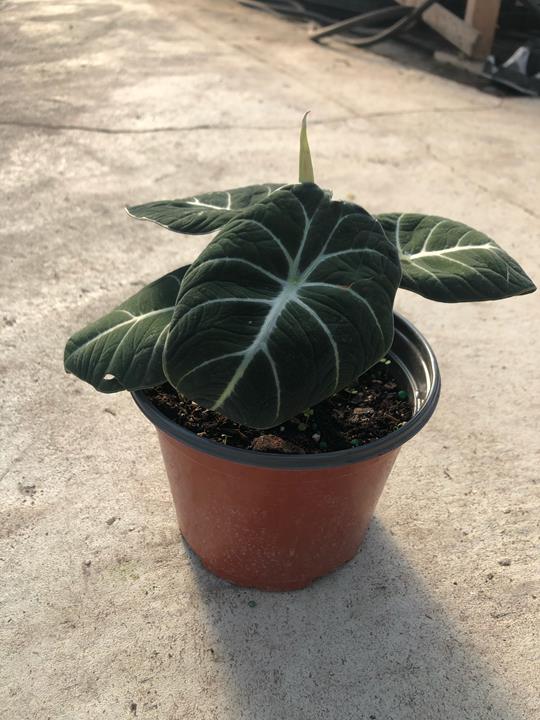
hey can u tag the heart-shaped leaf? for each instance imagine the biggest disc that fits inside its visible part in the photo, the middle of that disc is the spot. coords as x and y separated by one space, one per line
204 213
287 305
123 349
448 261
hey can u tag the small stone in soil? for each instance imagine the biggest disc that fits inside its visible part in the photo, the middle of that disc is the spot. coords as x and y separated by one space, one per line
363 411
505 562
275 444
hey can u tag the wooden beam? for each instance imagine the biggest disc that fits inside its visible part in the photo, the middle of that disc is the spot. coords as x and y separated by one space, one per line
461 34
483 15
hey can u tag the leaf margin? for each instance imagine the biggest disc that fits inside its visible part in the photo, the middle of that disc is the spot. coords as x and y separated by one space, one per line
415 276
190 214
87 366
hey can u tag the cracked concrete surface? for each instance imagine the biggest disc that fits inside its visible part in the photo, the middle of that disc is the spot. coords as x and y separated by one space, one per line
103 611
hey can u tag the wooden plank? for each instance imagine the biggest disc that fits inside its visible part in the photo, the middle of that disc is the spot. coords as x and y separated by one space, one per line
450 26
483 15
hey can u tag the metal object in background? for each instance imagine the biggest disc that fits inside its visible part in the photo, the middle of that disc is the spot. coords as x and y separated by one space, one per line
521 71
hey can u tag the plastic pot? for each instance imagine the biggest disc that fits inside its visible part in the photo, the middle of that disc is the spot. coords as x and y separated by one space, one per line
278 522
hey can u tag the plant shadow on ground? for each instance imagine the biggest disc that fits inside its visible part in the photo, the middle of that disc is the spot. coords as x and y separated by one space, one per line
367 643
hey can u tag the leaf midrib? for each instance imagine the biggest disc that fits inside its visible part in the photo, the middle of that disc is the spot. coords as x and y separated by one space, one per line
447 251
260 342
289 293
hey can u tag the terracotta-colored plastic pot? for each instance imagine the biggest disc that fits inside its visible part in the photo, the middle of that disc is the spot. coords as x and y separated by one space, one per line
278 522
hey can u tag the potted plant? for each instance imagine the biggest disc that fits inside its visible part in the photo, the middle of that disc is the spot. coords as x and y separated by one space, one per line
280 381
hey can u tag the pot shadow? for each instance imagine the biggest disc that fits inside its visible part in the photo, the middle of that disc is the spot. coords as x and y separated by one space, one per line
367 642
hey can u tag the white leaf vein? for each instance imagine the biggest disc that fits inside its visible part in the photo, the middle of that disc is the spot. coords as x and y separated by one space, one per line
328 334
250 264
446 251
339 288
134 321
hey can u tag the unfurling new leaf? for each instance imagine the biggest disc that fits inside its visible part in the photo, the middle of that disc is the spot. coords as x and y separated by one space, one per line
305 169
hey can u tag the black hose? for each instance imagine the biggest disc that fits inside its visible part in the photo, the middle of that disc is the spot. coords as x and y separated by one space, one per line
395 29
356 20
295 9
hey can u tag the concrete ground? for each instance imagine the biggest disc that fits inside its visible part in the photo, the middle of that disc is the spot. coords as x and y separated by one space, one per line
103 611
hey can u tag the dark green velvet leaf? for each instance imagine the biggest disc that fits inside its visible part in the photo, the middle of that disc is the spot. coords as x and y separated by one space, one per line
123 349
448 261
287 305
204 213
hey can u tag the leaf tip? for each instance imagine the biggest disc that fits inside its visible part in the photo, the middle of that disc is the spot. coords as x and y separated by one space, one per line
305 170
529 287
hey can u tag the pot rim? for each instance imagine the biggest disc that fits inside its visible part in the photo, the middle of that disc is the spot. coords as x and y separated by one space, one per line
425 390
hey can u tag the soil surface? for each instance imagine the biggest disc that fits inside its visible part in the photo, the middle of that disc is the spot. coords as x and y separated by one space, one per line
367 410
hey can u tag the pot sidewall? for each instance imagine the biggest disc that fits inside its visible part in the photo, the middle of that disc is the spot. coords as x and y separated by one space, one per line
273 529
